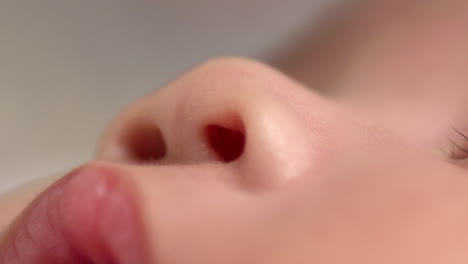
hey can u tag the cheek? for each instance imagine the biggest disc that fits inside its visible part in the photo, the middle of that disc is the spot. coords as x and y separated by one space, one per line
383 210
425 130
421 123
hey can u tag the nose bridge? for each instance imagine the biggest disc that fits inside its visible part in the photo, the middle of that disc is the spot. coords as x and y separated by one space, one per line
227 111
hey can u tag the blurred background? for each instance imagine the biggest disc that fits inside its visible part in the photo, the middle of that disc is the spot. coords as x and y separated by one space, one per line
66 67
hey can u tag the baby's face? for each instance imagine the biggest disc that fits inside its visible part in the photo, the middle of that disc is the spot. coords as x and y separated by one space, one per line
236 163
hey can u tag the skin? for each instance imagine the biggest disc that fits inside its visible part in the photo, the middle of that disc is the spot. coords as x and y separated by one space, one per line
365 167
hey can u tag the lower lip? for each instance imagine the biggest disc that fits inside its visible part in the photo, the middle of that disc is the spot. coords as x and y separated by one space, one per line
84 218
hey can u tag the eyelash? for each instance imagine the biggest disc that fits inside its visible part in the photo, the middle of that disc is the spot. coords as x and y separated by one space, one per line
463 149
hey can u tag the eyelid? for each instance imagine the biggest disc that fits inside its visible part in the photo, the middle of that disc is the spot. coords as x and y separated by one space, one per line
460 133
460 146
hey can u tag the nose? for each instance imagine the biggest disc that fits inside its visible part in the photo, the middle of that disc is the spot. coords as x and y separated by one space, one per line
231 112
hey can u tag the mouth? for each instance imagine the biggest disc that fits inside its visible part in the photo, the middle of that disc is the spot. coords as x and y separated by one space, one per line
86 218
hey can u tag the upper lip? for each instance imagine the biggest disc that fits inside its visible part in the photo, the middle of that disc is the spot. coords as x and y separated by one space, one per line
87 217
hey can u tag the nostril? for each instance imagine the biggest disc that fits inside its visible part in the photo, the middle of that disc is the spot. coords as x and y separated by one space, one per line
227 143
144 143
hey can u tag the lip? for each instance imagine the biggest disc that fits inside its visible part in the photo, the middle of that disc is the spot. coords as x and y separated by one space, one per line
87 217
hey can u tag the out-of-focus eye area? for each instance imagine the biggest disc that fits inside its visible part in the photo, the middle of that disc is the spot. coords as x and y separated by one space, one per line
458 141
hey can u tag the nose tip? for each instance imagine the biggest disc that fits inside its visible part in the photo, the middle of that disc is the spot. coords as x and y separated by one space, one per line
229 110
